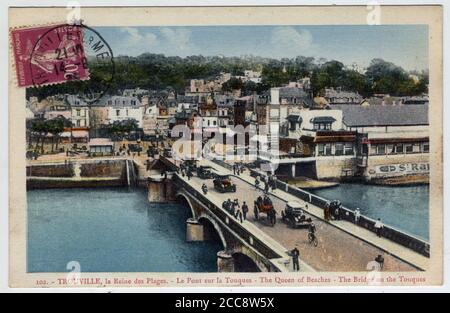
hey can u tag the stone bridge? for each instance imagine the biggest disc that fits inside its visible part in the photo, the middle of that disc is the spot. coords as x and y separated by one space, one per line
245 248
254 245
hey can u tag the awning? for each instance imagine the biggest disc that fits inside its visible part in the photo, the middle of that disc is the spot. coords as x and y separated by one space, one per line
100 142
398 140
75 134
294 118
323 119
349 138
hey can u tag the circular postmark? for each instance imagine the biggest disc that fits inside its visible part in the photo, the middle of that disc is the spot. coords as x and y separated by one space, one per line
67 53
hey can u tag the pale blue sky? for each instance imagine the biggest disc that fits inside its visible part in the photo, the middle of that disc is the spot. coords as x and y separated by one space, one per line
404 45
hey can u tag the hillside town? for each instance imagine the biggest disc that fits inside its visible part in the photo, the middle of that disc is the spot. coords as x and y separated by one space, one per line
339 135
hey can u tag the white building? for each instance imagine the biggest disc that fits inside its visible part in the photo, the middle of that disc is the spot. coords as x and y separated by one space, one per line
79 111
124 108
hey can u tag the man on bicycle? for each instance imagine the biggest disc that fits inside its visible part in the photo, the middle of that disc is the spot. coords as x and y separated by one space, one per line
312 232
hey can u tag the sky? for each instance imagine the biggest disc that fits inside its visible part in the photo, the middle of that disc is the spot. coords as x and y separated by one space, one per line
404 45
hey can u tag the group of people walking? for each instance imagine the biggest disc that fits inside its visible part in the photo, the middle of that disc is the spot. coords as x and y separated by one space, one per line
269 182
238 168
234 208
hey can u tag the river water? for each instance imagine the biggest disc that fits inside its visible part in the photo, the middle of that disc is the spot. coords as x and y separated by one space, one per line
405 208
111 230
117 230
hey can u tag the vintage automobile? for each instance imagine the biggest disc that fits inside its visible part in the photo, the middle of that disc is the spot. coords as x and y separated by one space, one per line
190 164
205 172
222 183
133 147
167 152
265 205
294 216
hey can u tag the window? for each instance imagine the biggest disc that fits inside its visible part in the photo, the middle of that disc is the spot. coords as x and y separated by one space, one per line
426 147
399 148
127 112
381 149
214 123
339 149
321 149
117 112
78 112
409 148
390 149
416 148
348 149
78 123
322 126
292 126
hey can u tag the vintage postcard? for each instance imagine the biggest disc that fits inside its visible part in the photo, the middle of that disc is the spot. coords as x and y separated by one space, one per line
225 146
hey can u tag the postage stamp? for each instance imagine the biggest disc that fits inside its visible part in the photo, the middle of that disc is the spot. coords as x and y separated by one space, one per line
49 55
223 150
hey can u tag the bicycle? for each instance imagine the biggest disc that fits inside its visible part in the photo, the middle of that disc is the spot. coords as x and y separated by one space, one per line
313 239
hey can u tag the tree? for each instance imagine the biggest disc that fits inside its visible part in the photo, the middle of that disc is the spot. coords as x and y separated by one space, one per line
56 127
122 128
232 84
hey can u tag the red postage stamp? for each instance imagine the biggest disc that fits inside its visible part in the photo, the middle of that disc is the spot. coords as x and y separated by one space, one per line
49 55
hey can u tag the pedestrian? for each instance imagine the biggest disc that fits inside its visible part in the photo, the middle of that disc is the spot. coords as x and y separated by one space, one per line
189 174
256 183
357 215
204 188
378 227
380 260
295 258
238 215
266 187
272 216
337 213
274 182
244 210
238 170
326 212
234 169
255 211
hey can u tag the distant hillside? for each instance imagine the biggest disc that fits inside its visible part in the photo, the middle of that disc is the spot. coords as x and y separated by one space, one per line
157 71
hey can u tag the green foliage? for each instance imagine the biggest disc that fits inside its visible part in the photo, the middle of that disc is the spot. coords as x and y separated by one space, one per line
120 128
156 72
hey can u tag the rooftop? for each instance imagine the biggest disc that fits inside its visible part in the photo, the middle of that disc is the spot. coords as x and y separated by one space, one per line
399 115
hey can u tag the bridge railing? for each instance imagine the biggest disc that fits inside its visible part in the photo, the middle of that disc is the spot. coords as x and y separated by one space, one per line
389 232
268 252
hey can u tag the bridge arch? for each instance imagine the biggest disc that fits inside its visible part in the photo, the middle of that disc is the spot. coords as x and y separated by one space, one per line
244 263
206 220
185 200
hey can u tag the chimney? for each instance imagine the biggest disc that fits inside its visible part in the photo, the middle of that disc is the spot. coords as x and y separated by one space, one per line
275 96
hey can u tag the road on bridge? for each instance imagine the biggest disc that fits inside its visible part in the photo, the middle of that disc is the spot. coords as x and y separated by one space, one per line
337 250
